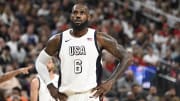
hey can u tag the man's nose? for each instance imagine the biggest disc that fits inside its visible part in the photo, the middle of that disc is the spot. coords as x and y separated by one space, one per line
78 15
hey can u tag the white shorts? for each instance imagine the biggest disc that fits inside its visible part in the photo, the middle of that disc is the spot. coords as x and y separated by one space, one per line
82 97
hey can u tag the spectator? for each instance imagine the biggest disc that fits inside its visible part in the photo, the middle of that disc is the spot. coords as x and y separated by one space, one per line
4 32
152 96
30 37
44 10
130 97
21 54
171 95
150 58
7 15
16 95
124 84
108 61
138 92
2 44
5 56
11 74
13 43
12 82
39 91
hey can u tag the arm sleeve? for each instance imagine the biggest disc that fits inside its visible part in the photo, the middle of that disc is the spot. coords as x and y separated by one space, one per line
41 67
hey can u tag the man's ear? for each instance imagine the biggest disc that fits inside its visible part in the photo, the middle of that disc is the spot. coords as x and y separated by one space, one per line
89 17
70 17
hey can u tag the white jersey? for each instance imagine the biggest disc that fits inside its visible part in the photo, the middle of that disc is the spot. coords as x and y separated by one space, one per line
80 62
44 94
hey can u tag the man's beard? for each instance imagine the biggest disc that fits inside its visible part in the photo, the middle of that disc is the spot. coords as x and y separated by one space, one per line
79 27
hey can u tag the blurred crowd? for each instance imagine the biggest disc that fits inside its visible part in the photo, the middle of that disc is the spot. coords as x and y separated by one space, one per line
149 29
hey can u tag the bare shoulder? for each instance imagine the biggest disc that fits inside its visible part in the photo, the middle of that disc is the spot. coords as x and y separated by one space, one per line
56 37
105 40
53 44
34 86
35 81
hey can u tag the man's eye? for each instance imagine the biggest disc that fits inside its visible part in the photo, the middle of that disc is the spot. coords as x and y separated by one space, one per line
75 12
82 12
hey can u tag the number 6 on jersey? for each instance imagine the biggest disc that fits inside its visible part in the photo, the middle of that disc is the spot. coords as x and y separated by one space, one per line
77 66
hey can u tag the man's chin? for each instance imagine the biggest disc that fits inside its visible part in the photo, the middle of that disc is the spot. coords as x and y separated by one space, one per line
79 26
76 27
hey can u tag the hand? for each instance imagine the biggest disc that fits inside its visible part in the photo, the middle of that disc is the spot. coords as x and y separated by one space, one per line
25 70
56 94
103 88
62 96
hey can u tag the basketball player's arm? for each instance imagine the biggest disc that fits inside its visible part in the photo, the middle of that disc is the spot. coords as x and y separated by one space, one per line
9 75
34 89
110 44
44 56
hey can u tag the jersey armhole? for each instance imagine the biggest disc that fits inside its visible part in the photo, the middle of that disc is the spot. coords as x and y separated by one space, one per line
59 79
61 38
38 87
39 83
96 44
60 44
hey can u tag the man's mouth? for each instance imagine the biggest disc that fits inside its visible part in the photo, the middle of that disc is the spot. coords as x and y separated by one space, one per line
77 22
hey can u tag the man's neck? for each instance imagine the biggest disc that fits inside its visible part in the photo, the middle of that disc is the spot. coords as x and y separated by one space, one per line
79 33
51 73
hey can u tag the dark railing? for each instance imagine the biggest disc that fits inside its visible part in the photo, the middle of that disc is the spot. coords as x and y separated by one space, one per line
153 11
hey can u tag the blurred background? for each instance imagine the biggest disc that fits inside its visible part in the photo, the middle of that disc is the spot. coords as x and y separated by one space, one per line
149 29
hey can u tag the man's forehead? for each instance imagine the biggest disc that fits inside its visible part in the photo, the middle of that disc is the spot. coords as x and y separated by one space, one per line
80 7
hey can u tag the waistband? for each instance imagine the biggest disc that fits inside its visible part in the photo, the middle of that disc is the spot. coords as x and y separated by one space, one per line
70 93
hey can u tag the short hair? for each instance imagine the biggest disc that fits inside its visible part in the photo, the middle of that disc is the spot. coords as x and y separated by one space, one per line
80 1
17 89
7 48
135 85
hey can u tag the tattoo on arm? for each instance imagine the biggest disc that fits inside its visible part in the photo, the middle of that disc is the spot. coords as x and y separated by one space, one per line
110 44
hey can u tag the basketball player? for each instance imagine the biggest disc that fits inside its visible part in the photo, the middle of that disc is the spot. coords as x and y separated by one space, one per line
9 75
79 49
39 91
